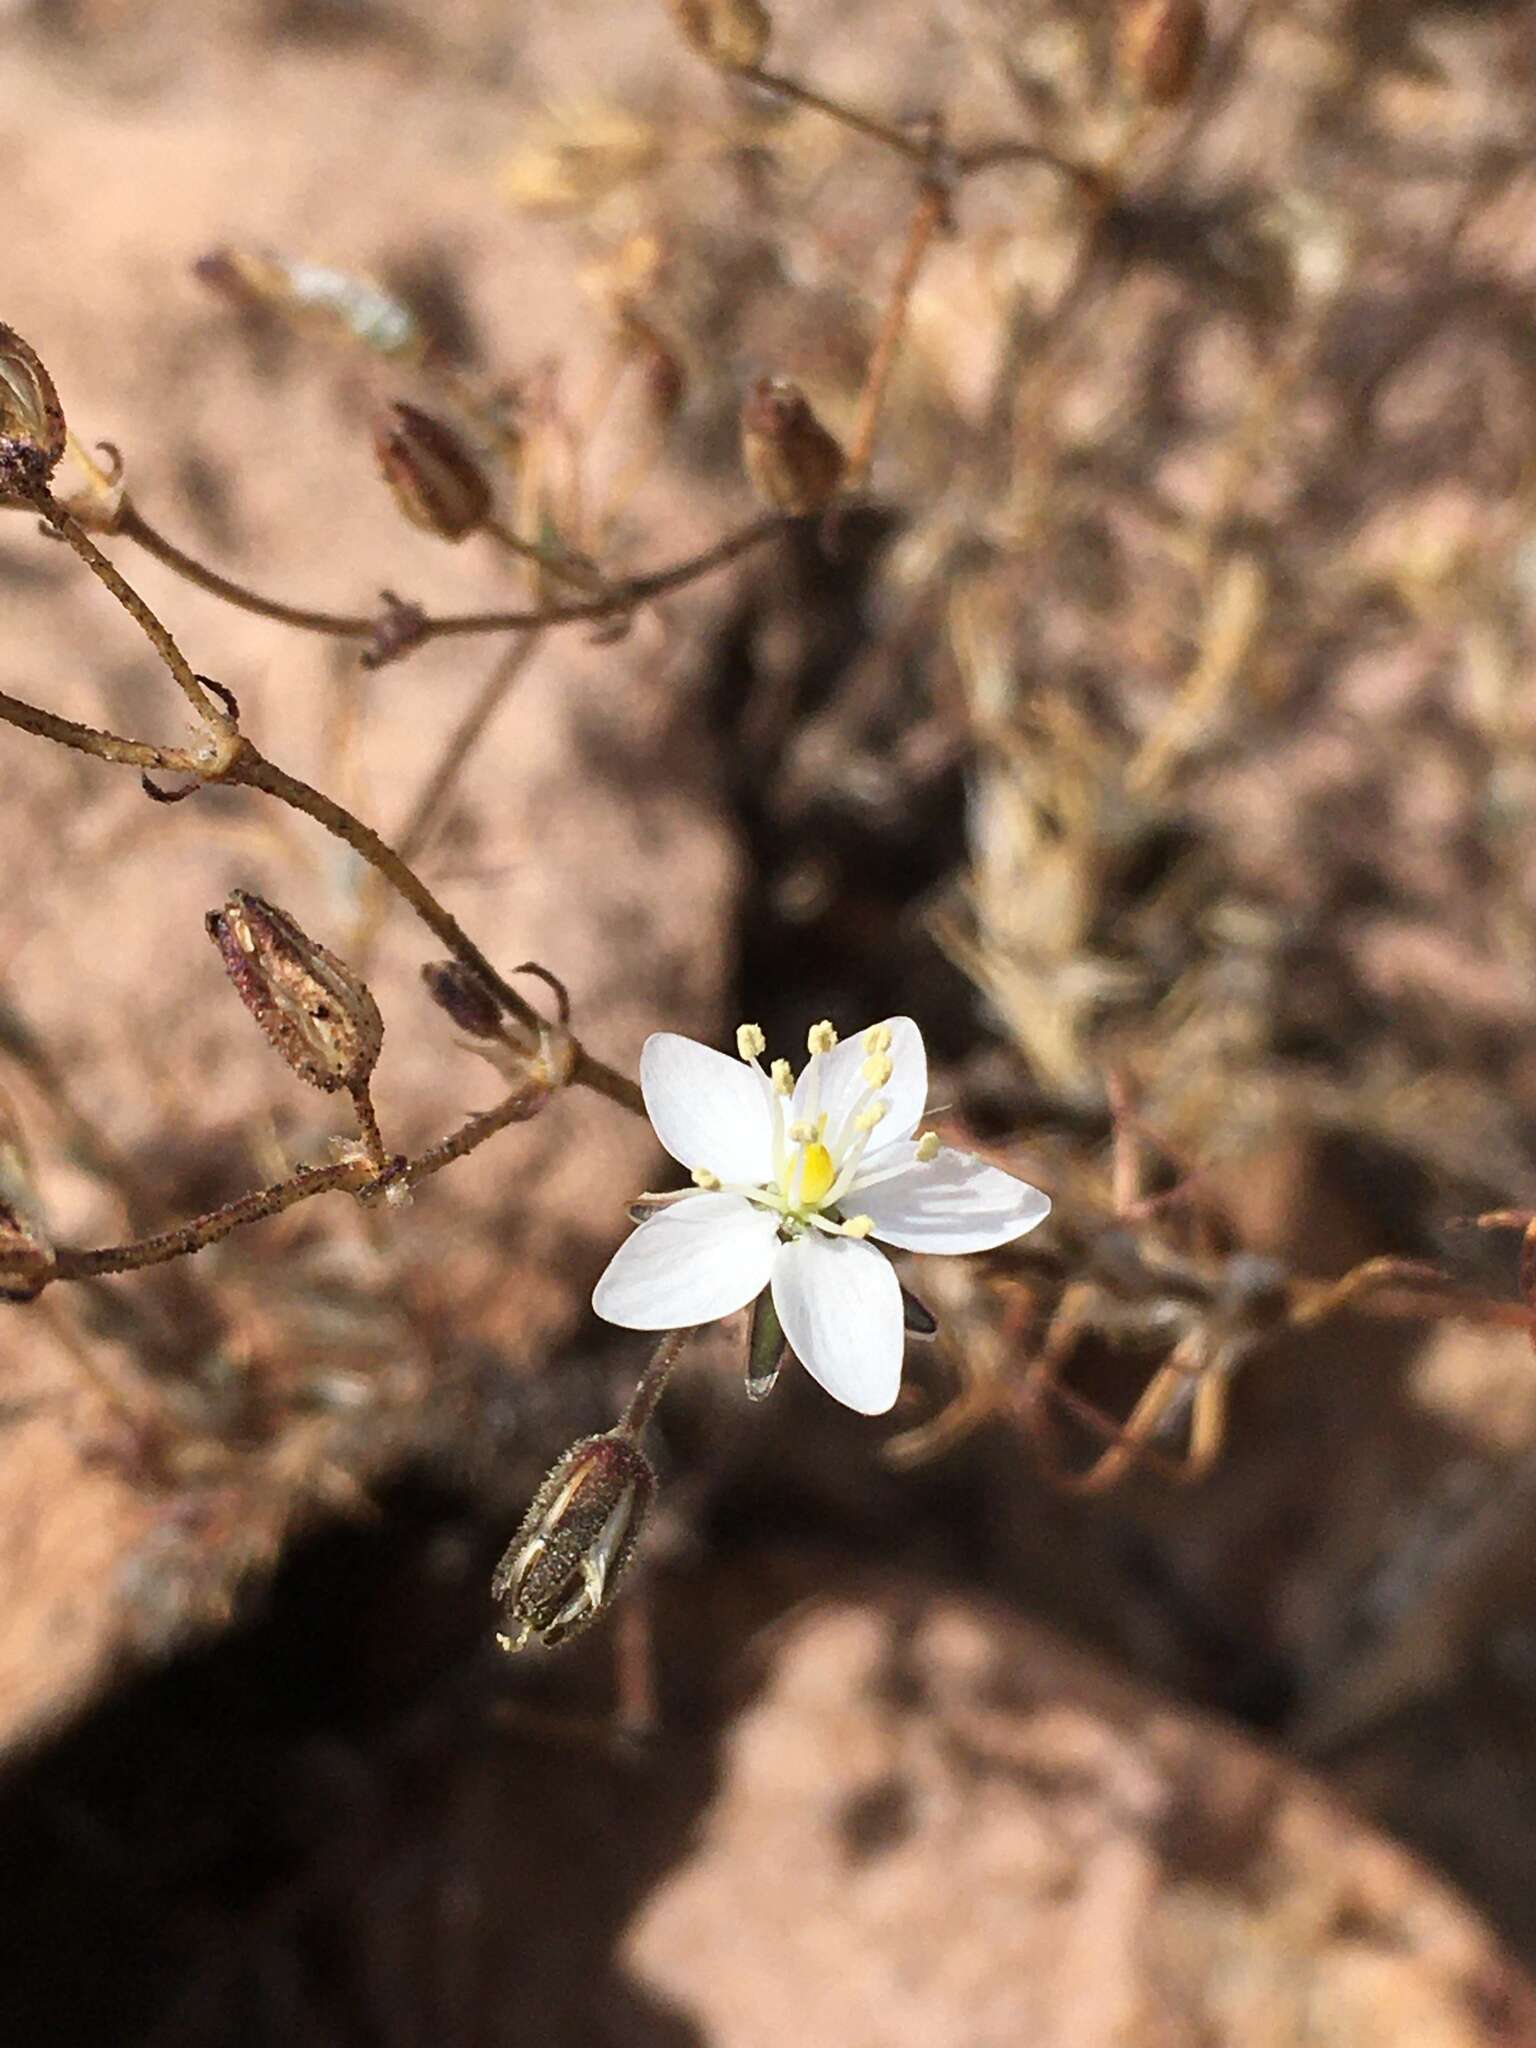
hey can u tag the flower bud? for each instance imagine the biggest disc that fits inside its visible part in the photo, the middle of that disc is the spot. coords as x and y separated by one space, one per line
464 997
315 1010
793 463
563 1564
731 33
663 377
31 420
436 481
1162 44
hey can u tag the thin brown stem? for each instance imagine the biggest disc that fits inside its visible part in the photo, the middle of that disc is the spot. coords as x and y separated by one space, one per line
608 600
368 1126
914 148
255 771
551 560
135 527
74 1263
106 746
428 808
928 216
587 1072
652 1384
157 634
461 743
619 597
350 1176
517 1108
990 156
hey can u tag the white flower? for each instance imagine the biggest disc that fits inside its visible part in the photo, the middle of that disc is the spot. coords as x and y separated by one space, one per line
794 1177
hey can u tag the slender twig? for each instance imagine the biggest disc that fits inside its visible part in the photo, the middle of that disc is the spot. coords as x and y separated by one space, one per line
374 1148
255 771
351 1176
74 1263
551 560
461 743
928 216
619 597
158 636
916 149
106 746
135 527
587 1072
427 810
642 1402
610 599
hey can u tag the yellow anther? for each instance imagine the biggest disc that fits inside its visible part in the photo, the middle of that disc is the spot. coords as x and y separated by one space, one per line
928 1147
750 1042
878 1038
820 1038
802 1133
703 1178
877 1070
782 1078
817 1173
868 1118
858 1226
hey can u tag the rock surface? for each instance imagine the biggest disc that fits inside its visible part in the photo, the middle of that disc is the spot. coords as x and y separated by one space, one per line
940 1824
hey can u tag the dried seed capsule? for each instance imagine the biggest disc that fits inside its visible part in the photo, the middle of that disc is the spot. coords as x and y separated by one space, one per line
315 1010
731 33
436 481
31 420
1162 45
563 1564
794 464
464 997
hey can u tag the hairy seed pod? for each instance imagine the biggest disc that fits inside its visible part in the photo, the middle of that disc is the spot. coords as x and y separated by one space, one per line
313 1008
793 463
563 1564
31 421
731 33
437 483
1162 45
463 996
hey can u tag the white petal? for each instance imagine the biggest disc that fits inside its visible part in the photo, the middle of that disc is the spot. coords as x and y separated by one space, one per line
706 1256
840 1306
953 1204
838 1075
706 1109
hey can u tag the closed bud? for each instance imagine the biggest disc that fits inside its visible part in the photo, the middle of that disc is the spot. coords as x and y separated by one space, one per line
1162 45
562 1566
313 1008
464 997
663 377
31 421
436 481
793 463
731 33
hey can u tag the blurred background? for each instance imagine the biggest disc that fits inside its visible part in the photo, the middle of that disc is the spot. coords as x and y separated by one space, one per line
1153 727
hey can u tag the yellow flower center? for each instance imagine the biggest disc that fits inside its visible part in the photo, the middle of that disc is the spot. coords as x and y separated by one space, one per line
817 1173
